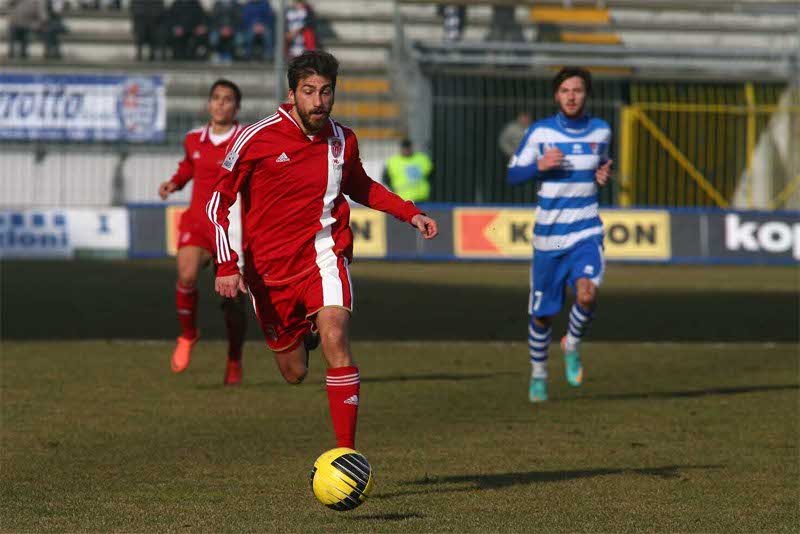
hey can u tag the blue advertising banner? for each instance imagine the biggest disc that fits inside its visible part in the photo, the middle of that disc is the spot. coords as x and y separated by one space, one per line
82 108
64 233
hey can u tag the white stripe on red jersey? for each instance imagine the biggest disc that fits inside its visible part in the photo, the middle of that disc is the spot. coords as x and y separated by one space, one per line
296 217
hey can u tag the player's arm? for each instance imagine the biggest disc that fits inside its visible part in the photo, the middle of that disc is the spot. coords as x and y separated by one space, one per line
232 175
528 163
364 190
604 172
181 177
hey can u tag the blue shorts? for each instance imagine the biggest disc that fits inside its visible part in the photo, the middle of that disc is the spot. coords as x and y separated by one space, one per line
550 272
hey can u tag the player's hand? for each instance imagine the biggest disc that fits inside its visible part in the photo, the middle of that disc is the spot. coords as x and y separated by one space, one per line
552 159
166 189
426 226
229 286
603 173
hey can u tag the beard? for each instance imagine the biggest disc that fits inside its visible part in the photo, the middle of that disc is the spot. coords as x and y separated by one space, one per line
576 115
311 124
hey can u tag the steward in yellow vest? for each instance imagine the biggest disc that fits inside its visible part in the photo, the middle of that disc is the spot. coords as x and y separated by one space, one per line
408 173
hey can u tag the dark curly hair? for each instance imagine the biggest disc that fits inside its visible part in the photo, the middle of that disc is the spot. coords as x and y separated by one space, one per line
570 72
312 62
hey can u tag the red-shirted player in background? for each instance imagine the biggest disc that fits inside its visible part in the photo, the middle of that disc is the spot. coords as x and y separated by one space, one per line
293 170
205 150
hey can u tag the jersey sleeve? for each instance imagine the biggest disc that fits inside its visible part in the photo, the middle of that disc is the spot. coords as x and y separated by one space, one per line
185 170
233 173
523 164
364 190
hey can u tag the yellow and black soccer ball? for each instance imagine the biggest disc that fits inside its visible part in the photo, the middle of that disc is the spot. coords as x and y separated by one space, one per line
341 479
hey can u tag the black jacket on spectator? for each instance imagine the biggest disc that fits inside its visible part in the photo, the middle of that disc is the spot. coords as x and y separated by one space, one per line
146 16
147 8
226 14
188 14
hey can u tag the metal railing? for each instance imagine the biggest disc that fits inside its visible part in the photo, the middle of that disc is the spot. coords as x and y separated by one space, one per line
712 154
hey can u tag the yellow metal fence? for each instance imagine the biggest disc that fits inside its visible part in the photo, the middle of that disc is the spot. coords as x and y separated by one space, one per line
690 154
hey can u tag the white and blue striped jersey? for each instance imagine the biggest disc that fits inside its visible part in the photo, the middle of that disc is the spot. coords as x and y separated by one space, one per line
567 210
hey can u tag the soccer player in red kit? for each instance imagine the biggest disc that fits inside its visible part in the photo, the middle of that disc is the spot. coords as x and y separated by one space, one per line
293 169
205 150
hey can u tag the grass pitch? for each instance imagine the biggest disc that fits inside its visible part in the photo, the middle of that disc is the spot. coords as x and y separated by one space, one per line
672 431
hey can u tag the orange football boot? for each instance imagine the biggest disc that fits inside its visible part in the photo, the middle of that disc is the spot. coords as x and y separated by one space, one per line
183 353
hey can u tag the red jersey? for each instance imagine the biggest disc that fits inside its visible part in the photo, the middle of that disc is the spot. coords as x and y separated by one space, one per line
201 162
295 215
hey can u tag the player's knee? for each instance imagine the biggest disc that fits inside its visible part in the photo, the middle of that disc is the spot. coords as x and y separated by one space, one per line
333 340
187 278
542 322
295 374
295 377
587 299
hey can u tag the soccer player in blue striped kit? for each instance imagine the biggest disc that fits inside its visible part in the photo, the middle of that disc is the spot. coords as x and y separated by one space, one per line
568 155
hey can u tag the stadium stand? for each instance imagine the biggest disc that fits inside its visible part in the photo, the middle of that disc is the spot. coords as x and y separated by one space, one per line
99 39
375 39
362 34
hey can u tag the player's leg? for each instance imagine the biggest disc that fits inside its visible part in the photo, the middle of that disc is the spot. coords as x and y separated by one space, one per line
329 298
190 259
282 318
586 275
293 363
539 335
236 327
546 297
343 380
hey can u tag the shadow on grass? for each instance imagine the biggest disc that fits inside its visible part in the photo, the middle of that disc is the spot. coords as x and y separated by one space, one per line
135 300
386 517
688 394
434 484
434 377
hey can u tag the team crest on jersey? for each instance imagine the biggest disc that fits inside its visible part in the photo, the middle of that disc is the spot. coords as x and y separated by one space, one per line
595 148
230 161
336 148
196 154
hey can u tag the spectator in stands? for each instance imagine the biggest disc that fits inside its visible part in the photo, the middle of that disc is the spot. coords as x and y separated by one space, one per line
258 27
513 132
301 29
147 30
53 28
187 29
408 173
453 18
24 18
226 17
504 26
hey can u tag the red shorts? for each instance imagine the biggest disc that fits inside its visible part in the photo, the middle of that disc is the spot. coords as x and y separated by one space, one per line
285 311
195 233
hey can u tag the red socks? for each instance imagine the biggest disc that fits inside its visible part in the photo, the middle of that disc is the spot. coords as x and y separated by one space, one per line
186 305
343 388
